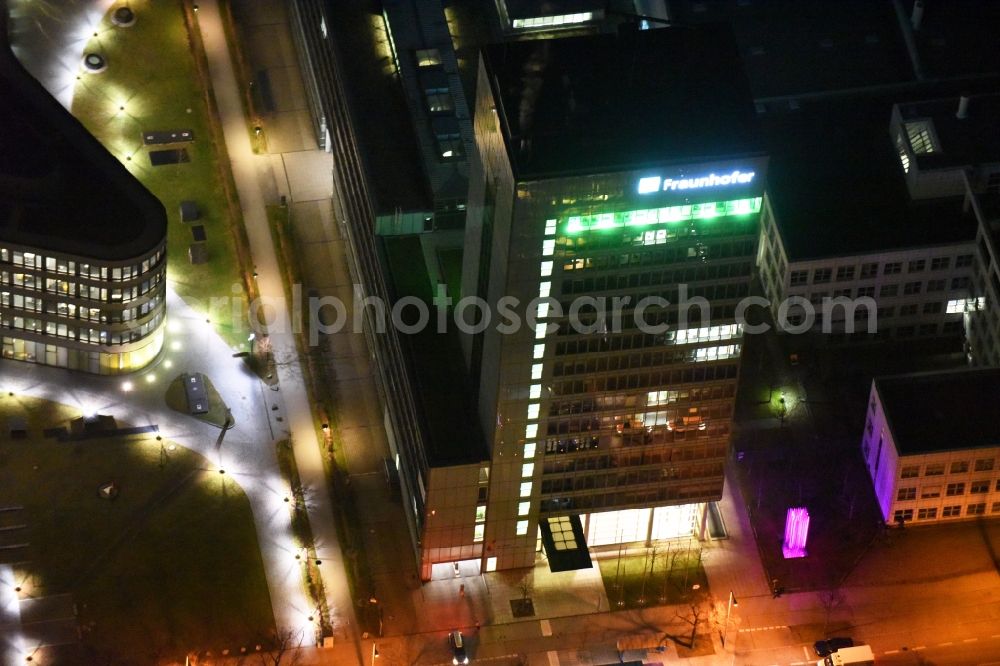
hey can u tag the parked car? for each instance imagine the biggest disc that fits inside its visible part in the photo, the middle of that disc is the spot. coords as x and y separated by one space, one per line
458 653
830 645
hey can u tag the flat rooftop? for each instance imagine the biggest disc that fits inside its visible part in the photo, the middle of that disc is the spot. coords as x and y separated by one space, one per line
60 190
381 119
974 139
942 411
837 188
958 37
443 390
562 101
796 47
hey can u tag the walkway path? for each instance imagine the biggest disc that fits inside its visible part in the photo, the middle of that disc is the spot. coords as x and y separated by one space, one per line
247 452
250 174
49 41
11 641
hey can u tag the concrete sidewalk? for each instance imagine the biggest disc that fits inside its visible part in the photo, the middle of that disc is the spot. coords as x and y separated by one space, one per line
247 451
250 173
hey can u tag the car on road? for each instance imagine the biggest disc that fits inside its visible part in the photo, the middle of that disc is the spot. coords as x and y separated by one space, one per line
830 645
458 653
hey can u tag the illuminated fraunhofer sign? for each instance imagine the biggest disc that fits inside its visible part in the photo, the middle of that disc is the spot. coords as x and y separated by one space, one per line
652 184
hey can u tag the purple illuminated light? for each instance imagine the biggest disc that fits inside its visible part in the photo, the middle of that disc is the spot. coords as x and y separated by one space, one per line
796 532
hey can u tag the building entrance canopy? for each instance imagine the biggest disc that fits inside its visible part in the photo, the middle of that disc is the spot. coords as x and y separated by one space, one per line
564 543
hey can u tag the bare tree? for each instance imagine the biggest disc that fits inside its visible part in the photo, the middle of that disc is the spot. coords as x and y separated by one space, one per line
525 586
699 612
286 644
831 599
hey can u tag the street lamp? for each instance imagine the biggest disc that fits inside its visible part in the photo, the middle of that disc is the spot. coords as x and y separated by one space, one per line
729 609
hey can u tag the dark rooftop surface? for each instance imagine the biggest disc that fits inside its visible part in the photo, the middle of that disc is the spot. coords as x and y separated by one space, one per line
958 37
381 119
793 47
60 190
562 101
443 390
970 140
941 411
837 188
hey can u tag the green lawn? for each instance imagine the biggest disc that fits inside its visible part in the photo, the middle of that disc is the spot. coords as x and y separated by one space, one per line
171 565
152 73
666 577
176 399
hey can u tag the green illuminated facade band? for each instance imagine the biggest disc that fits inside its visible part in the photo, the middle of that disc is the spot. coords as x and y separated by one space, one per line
668 214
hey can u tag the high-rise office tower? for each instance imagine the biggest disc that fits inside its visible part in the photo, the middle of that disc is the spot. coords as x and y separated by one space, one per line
609 166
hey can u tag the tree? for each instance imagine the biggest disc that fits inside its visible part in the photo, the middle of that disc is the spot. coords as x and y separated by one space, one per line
831 599
526 586
697 612
286 644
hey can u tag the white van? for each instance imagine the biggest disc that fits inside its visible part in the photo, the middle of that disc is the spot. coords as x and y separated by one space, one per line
859 655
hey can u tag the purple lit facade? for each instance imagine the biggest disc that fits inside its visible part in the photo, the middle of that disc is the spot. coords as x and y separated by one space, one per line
796 532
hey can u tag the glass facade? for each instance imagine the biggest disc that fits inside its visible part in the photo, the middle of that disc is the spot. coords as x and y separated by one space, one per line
79 313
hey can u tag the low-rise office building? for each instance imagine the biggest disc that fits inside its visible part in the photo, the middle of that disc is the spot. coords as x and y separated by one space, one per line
82 243
897 226
930 453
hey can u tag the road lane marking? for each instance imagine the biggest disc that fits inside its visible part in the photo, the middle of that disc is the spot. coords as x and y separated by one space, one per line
948 643
805 653
546 628
920 647
892 651
969 640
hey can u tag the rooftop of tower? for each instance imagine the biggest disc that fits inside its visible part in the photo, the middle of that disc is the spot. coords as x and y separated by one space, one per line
609 102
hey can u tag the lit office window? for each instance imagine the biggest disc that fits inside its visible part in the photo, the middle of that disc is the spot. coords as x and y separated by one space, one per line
542 311
921 136
523 508
535 392
959 305
539 351
529 450
540 331
714 353
536 371
522 527
531 430
904 156
480 531
427 57
526 489
546 268
544 289
552 21
533 410
527 470
440 102
550 227
548 247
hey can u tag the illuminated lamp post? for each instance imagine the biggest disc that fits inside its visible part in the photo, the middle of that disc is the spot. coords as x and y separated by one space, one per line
729 609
